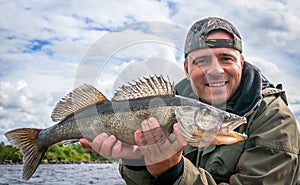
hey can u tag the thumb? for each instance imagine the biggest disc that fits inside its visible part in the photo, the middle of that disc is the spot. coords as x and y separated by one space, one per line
85 143
138 137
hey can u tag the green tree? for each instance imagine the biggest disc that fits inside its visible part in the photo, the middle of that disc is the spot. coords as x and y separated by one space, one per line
10 153
56 152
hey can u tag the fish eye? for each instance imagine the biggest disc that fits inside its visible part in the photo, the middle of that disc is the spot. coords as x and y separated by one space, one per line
226 117
205 110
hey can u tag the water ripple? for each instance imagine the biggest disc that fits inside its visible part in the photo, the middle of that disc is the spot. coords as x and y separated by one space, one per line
63 174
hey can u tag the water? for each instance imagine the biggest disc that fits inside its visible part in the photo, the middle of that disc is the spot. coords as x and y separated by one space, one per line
63 174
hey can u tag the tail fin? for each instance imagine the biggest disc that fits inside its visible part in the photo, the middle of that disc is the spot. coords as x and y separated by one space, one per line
26 140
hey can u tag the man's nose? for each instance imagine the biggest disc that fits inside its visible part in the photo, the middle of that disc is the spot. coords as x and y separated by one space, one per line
215 69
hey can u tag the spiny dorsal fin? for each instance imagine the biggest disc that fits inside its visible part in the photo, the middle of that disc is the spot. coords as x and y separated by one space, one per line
79 98
152 86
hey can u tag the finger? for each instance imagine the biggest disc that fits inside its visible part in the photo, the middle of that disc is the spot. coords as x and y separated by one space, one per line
121 150
179 137
165 150
158 134
157 153
145 125
85 143
107 146
138 137
116 151
140 141
98 141
144 138
153 123
152 132
180 143
168 149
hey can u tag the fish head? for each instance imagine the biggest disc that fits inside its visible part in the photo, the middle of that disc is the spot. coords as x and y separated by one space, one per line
205 125
226 134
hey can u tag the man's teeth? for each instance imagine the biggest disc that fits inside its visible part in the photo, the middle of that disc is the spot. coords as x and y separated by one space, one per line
216 84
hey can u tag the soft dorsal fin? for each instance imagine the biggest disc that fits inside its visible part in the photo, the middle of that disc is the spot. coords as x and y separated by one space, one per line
152 86
75 100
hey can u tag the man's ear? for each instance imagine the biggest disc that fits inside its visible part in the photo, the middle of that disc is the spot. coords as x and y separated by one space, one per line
242 60
186 69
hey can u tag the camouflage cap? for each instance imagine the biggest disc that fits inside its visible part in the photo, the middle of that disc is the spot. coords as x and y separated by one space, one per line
197 35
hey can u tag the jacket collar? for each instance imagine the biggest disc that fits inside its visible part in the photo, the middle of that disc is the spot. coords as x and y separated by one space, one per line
249 91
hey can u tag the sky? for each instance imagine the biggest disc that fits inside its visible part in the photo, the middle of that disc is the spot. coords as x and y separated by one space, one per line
47 48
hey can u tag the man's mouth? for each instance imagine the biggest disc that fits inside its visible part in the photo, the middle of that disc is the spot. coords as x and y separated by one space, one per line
216 84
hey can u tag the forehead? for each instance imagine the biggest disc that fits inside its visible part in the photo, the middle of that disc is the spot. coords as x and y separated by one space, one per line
214 52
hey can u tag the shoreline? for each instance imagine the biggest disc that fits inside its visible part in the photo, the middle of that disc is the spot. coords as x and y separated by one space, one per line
10 162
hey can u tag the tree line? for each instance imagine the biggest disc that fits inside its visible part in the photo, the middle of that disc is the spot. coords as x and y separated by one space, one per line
57 153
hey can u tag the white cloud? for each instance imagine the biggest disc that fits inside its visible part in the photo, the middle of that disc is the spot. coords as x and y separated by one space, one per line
102 63
21 107
269 69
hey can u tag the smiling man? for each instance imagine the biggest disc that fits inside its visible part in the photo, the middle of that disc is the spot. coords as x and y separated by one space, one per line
217 74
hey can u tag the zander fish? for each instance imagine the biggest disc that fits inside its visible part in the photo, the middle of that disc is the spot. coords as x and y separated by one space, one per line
85 112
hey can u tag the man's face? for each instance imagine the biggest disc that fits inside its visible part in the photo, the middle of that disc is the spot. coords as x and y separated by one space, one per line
214 73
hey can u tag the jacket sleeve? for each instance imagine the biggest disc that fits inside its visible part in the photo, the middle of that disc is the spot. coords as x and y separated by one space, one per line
191 175
271 154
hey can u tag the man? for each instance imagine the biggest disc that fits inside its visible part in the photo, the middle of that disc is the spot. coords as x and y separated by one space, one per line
217 74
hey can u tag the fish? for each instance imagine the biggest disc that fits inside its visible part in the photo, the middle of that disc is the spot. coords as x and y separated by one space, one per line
85 112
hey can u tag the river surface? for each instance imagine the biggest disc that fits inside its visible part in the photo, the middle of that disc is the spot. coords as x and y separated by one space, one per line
63 174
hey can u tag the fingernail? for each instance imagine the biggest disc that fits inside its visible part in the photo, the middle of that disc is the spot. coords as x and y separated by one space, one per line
112 137
118 142
175 126
85 144
151 120
103 135
138 133
145 123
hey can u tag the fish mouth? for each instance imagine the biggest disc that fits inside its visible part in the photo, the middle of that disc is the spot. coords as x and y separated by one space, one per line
229 127
227 135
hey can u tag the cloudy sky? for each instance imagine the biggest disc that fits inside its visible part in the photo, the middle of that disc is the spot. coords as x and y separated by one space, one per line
49 47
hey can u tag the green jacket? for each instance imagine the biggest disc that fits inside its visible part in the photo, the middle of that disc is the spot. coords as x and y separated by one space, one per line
270 155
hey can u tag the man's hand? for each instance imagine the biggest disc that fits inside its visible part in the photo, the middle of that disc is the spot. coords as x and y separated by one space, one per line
110 147
159 155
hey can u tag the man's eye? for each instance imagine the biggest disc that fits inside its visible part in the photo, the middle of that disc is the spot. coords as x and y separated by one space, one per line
226 59
201 61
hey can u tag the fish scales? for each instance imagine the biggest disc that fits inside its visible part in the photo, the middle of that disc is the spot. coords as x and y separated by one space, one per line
85 112
121 121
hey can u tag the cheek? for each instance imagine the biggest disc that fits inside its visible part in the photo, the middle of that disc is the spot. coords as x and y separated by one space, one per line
235 75
197 77
234 70
196 72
